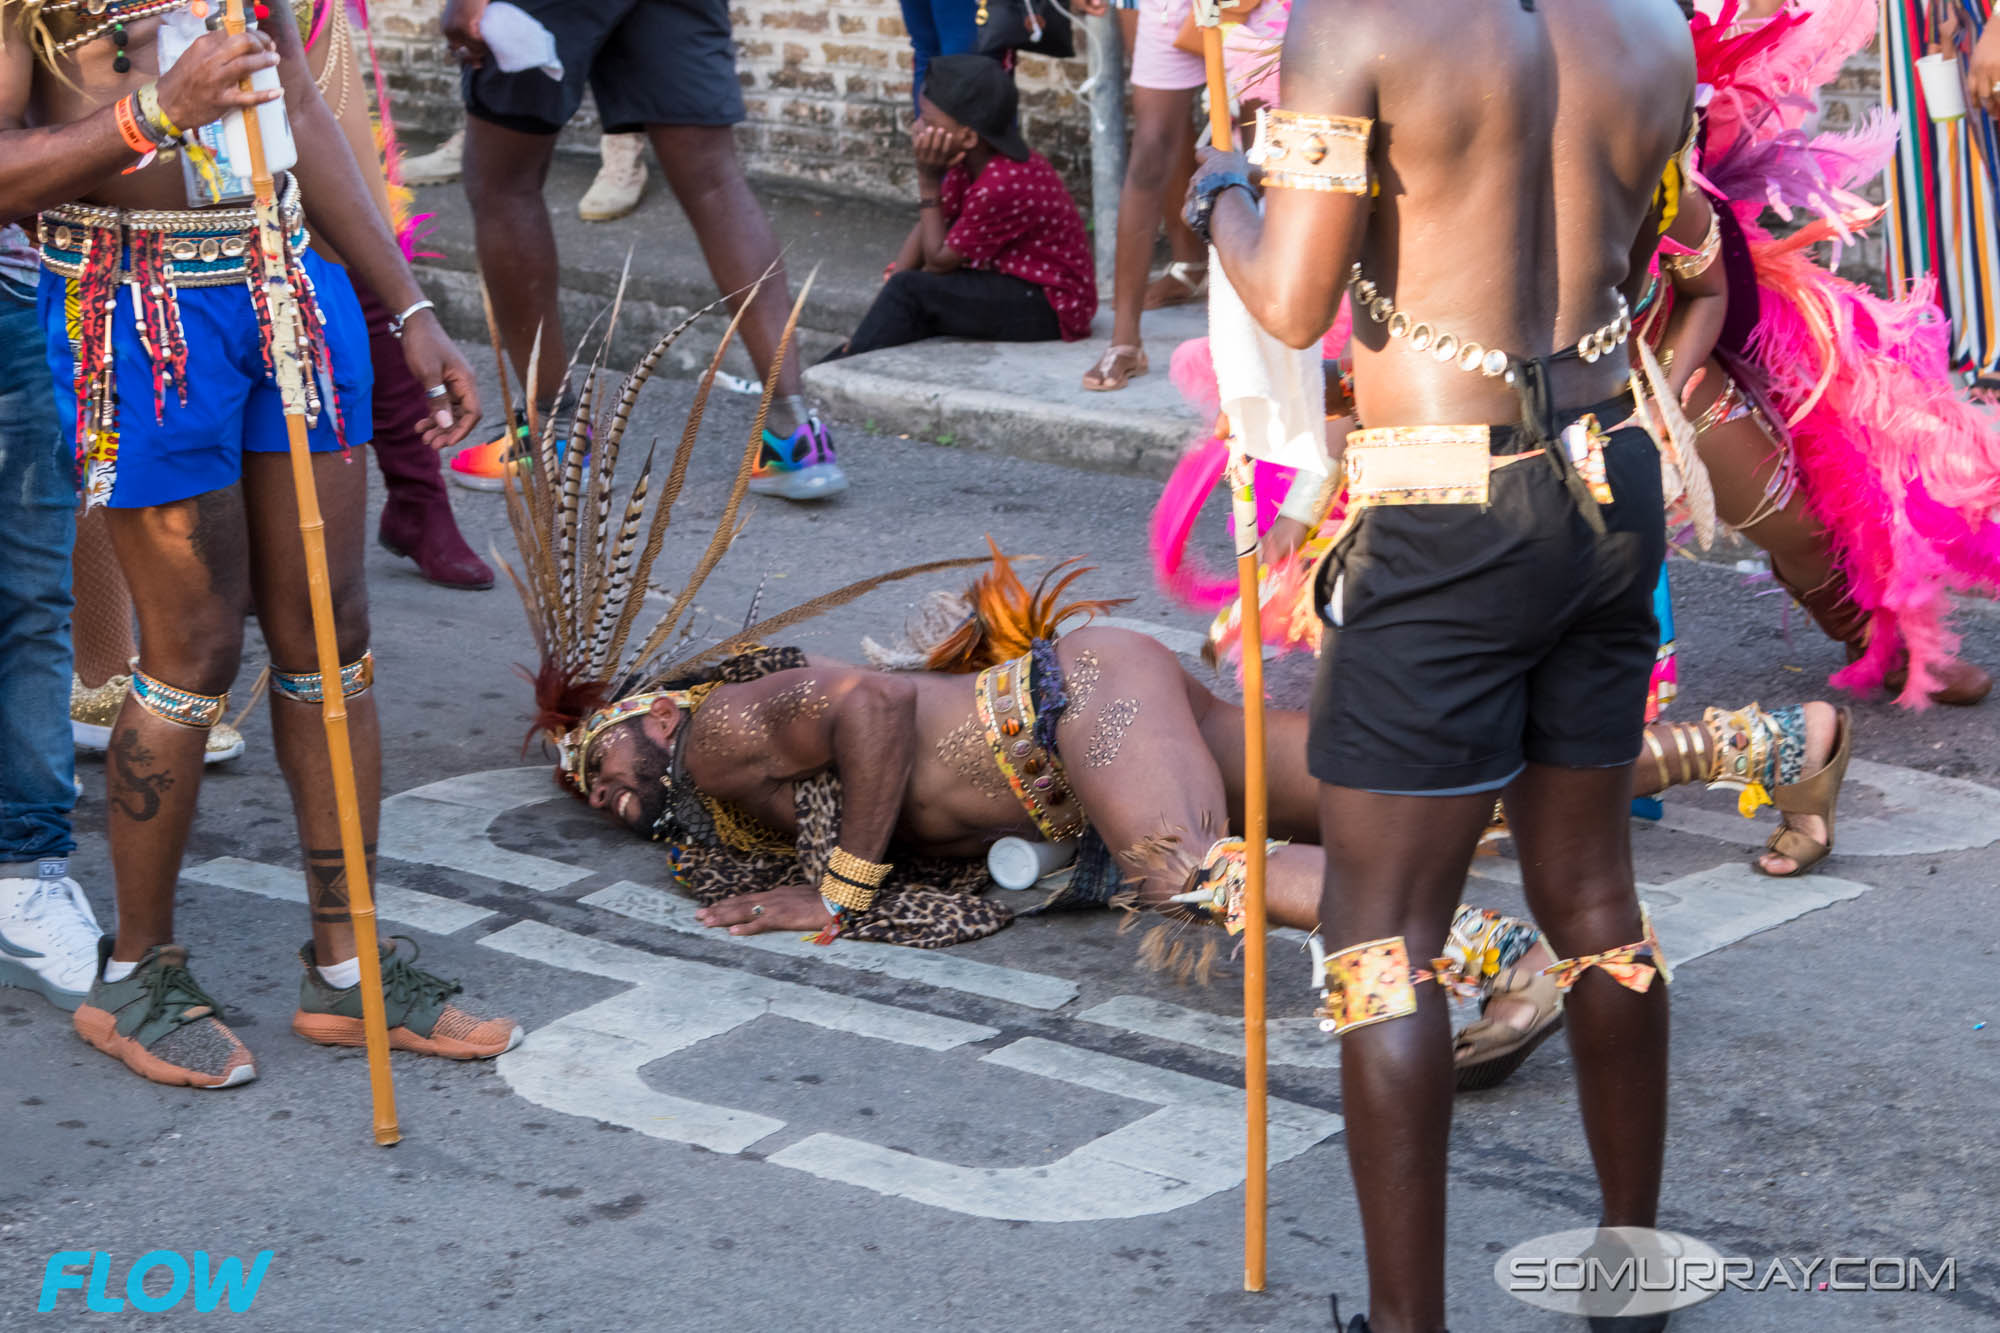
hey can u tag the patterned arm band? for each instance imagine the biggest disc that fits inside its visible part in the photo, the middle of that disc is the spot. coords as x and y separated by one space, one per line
1305 152
1687 267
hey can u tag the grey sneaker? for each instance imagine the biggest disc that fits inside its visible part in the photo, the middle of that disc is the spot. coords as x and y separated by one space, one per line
48 934
162 1024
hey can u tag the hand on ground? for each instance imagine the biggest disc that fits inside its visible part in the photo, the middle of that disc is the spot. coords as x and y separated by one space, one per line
794 907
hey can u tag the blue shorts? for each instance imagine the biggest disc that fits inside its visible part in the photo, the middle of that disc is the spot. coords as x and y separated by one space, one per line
232 407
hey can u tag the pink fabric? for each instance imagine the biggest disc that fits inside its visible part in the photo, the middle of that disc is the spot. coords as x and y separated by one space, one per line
1156 62
1017 218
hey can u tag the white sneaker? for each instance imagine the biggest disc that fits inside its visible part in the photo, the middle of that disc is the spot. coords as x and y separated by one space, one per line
440 166
48 935
621 180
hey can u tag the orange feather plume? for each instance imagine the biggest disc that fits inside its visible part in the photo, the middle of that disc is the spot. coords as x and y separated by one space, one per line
1006 618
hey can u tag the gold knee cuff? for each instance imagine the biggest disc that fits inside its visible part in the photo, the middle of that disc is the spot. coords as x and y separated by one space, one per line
1373 982
184 707
1631 966
306 688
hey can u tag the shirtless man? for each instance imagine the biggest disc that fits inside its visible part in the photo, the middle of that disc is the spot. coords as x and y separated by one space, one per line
187 452
1492 168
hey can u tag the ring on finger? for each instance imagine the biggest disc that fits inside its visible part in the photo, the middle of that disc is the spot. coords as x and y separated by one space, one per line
437 391
758 910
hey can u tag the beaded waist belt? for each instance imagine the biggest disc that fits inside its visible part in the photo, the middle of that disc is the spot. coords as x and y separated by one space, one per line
155 254
1033 770
207 247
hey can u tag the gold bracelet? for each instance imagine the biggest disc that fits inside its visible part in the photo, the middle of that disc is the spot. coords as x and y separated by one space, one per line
854 870
1690 266
847 896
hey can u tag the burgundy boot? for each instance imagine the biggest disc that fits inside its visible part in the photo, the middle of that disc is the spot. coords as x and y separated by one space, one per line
417 520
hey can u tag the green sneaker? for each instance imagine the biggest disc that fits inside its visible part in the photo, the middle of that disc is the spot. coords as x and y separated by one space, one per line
421 1019
161 1023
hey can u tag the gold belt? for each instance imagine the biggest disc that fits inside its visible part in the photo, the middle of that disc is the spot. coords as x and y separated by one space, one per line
1423 465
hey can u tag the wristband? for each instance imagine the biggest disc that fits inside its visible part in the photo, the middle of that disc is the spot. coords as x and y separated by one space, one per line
154 118
1202 207
124 112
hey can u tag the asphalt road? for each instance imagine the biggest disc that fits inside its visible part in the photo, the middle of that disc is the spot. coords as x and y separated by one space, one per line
1030 1132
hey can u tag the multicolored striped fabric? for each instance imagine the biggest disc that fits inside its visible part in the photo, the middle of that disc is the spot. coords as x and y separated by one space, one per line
1945 189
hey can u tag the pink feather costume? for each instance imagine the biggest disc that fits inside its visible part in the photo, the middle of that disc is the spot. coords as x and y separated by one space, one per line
1892 457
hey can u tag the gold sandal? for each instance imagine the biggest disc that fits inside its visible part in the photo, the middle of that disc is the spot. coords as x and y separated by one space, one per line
1488 1051
1109 374
1192 277
1815 796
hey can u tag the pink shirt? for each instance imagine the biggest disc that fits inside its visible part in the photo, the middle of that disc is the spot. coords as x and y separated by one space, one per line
1017 218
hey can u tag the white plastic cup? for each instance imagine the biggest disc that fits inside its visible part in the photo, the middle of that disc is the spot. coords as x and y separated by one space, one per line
1017 863
1944 86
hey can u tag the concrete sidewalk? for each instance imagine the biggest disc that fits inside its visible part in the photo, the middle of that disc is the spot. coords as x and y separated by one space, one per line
1023 399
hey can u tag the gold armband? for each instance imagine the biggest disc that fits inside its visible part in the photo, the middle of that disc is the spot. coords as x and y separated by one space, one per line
1690 266
1303 152
850 881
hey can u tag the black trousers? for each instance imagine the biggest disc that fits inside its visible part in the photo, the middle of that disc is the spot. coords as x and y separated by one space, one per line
965 303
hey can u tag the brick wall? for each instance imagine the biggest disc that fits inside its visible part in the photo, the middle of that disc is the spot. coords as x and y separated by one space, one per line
826 87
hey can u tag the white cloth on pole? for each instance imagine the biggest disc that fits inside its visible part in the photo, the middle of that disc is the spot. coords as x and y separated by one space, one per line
1274 395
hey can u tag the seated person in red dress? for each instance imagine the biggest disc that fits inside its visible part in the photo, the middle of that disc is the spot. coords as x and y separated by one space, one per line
999 252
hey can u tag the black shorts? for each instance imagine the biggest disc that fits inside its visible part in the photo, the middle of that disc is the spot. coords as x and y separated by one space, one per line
647 62
1465 642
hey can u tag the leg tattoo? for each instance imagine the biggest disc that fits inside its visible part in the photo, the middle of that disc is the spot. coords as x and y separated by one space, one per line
326 884
137 791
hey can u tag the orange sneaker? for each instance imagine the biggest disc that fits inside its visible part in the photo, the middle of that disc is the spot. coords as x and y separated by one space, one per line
486 467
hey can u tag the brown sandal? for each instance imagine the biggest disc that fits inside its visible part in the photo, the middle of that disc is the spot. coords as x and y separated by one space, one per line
1817 796
1488 1051
1120 364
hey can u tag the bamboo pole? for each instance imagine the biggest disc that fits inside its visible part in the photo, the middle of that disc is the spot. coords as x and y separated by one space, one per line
312 531
1243 489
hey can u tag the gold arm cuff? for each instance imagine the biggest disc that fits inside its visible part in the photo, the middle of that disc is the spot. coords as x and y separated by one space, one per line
852 868
1305 152
1688 267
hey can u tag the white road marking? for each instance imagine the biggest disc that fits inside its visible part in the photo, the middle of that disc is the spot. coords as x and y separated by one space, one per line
408 907
1922 814
447 824
1294 1042
1180 1154
587 1063
1033 990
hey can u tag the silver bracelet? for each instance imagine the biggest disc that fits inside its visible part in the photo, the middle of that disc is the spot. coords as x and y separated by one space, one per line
397 322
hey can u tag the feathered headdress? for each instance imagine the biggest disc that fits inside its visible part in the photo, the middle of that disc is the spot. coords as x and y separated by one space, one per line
585 570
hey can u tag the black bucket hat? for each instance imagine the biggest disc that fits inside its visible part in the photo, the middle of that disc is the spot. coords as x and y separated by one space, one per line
977 93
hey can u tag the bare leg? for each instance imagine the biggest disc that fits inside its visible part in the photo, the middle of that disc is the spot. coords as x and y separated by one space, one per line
185 564
1395 866
505 171
285 615
1576 864
1159 118
703 172
1133 746
101 625
1185 246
